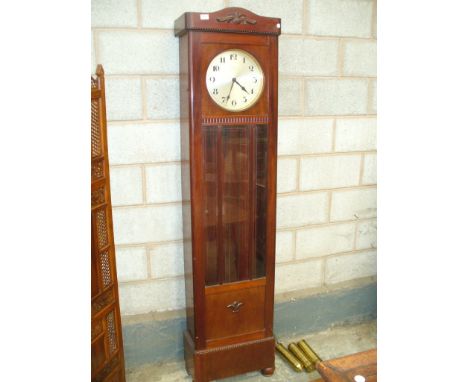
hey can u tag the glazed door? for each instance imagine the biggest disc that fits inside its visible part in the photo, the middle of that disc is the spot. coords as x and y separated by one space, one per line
235 201
107 361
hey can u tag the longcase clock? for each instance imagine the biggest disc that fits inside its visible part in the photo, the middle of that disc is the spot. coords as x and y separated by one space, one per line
228 103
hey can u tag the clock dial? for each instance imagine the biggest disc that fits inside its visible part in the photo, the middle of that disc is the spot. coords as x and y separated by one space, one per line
234 80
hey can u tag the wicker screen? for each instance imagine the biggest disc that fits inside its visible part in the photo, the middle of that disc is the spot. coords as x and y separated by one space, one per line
107 361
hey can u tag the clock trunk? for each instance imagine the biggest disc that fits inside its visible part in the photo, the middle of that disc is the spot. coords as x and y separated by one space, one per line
230 181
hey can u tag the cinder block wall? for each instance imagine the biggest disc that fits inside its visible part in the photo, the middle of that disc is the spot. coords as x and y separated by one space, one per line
327 142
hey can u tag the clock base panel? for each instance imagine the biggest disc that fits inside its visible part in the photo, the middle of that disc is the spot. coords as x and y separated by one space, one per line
226 361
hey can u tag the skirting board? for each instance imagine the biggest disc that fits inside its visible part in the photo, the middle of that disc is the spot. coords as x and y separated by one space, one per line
162 340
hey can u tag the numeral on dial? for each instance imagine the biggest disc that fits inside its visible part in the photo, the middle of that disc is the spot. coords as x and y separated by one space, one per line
215 68
215 91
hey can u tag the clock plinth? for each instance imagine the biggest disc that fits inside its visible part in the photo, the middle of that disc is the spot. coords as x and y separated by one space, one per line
228 110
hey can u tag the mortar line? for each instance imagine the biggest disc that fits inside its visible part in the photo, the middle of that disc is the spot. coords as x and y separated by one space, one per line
294 76
310 36
150 280
355 235
162 204
326 154
374 20
148 263
328 256
305 17
123 165
141 121
303 96
324 271
146 76
341 56
329 205
139 15
294 245
370 96
361 169
143 181
143 98
329 116
335 189
305 35
152 244
322 225
334 136
298 173
97 54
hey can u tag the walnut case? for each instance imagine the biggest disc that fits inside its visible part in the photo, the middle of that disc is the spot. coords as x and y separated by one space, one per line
230 182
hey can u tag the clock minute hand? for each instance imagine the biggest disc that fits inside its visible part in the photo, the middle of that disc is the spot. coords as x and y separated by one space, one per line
230 90
243 88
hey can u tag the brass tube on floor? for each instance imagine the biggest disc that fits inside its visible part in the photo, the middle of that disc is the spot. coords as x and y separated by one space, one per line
307 350
309 366
293 361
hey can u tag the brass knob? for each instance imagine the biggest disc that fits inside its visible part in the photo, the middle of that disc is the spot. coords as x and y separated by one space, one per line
235 306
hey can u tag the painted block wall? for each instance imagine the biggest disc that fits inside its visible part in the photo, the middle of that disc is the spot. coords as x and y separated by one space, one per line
326 218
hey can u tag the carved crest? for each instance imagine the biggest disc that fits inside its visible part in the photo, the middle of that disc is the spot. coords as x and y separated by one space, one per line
236 18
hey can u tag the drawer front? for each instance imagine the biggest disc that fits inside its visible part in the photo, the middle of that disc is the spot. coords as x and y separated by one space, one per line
234 309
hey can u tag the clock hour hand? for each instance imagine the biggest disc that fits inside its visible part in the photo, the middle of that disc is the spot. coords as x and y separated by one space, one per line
243 88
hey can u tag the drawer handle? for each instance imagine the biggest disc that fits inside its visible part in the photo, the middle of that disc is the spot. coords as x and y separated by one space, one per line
235 306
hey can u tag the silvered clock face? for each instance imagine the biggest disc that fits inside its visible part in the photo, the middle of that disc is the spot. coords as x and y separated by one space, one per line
234 80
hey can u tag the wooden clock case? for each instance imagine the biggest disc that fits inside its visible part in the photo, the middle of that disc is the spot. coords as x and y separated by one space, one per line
229 177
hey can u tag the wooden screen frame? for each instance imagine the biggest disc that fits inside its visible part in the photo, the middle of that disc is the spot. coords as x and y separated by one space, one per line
106 327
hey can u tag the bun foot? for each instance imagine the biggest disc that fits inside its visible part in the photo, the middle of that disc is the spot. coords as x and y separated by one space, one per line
268 372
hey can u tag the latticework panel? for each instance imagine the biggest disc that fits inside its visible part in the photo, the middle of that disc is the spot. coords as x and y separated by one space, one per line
98 197
96 329
105 269
96 143
97 169
111 334
101 228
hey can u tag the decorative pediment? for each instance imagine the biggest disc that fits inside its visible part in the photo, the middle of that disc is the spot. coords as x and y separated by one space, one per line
236 18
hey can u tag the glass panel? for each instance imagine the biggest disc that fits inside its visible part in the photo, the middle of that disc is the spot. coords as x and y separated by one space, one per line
235 202
234 177
261 200
210 174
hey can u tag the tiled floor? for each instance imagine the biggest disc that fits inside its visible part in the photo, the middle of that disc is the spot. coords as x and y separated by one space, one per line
331 343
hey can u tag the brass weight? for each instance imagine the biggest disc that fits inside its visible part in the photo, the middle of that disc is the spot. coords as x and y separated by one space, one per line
309 366
293 361
307 350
